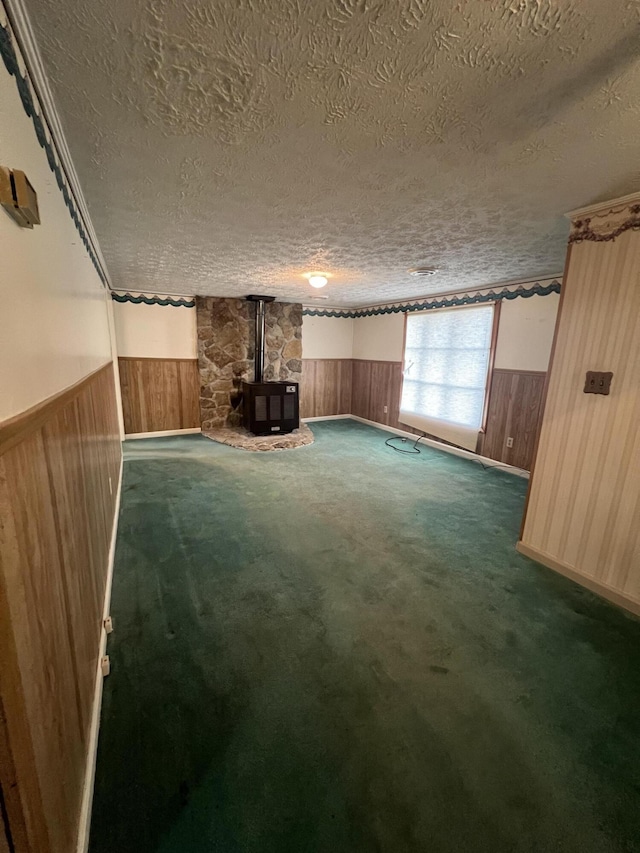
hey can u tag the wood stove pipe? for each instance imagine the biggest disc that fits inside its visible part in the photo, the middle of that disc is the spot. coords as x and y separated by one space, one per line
258 363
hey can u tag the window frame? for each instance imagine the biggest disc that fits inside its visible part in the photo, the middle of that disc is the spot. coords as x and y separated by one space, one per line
496 305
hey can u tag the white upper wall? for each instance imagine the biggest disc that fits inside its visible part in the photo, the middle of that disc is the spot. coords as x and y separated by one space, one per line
158 331
524 338
327 337
53 323
155 331
379 338
526 331
524 341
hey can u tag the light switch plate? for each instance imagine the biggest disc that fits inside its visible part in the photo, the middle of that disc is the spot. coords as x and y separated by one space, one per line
598 382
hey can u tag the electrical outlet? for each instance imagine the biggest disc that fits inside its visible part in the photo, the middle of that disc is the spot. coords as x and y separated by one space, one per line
386 410
510 442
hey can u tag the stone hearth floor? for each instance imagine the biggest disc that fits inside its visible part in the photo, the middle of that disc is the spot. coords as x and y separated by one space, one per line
239 437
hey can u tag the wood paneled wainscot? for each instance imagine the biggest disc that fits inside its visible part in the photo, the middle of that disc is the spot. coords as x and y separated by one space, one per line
515 408
377 385
326 387
365 388
159 394
59 472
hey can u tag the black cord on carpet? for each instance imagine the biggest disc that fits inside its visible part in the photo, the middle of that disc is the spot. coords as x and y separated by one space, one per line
415 449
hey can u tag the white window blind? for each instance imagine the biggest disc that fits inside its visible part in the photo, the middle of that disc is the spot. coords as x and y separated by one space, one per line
445 372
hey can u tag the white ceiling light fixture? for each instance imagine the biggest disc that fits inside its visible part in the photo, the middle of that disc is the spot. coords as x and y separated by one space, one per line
316 279
423 271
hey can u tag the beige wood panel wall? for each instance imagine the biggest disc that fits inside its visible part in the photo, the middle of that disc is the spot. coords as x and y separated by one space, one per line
515 408
59 470
159 394
583 514
326 387
348 386
377 385
365 388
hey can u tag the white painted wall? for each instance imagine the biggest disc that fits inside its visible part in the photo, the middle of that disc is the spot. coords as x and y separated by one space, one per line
327 337
526 331
524 341
155 331
53 321
379 338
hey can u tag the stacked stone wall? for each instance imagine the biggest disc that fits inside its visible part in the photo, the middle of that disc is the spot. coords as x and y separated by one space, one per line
226 353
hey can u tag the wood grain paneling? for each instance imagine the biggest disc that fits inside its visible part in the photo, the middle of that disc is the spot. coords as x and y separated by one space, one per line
58 482
17 835
584 503
159 394
4 840
514 408
326 387
378 385
361 388
515 404
189 394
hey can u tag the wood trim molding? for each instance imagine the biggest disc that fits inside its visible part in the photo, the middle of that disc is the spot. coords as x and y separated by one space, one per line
402 364
604 590
84 823
380 360
520 372
149 358
15 429
133 436
495 328
325 418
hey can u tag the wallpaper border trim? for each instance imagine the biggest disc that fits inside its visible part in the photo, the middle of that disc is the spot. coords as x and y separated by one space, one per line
536 289
153 300
9 48
512 292
584 230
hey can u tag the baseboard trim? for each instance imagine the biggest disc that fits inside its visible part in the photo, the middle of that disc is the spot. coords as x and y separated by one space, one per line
601 589
455 451
161 433
92 752
325 418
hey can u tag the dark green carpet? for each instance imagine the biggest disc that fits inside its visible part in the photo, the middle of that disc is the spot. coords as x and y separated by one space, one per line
337 649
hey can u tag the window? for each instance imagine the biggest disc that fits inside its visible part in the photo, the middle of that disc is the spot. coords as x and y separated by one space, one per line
446 359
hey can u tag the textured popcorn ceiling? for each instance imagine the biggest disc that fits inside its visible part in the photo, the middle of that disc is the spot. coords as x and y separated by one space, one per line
226 147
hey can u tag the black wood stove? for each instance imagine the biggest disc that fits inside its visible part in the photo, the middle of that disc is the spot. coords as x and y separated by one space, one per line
268 408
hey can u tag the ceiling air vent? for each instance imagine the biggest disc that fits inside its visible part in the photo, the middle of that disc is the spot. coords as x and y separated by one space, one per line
423 271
